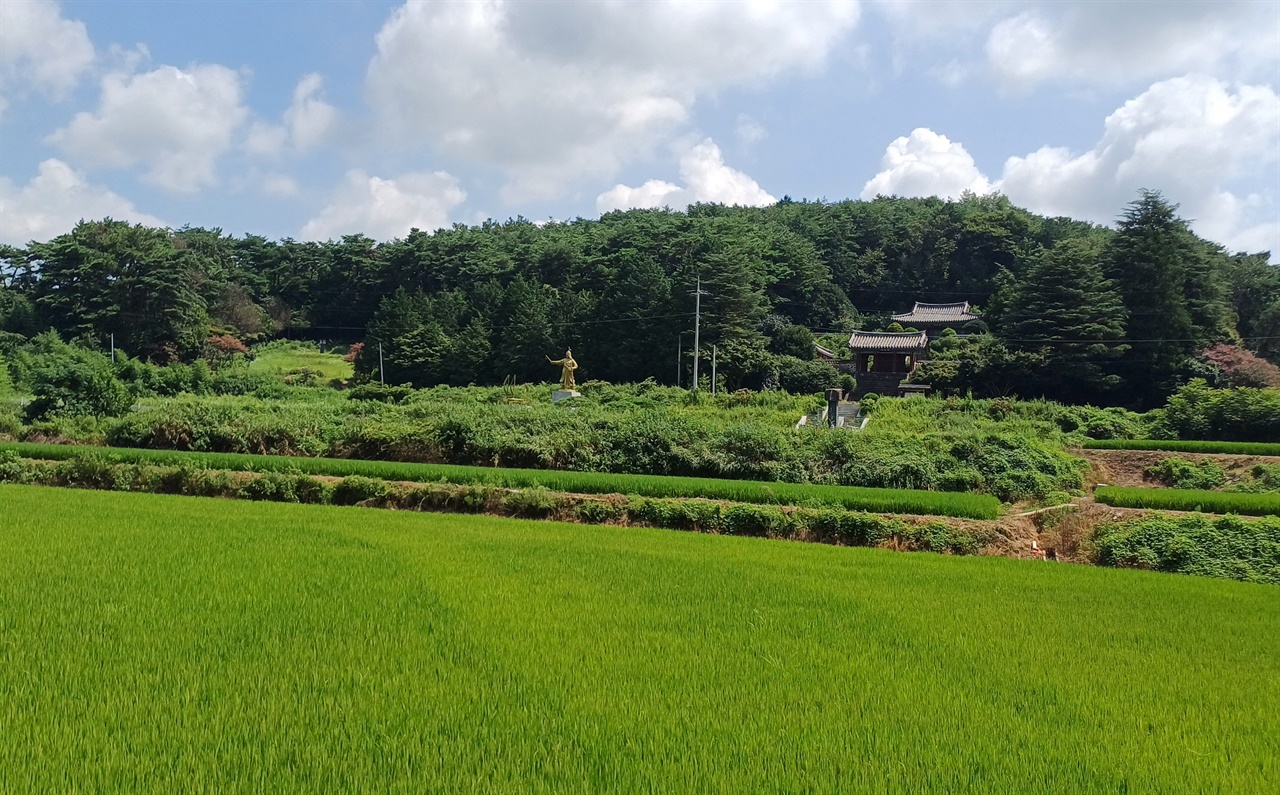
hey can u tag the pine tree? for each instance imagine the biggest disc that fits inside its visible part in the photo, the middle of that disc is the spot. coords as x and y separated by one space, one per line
1167 280
1065 307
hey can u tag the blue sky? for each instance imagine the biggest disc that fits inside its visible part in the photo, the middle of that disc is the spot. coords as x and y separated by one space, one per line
318 119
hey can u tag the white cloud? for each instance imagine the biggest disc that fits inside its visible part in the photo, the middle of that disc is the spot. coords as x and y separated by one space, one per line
750 131
926 164
1085 42
1191 138
706 177
308 122
41 49
1118 42
553 92
279 185
55 200
386 208
175 122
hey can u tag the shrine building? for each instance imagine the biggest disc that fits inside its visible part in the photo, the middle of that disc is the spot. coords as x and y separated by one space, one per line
933 318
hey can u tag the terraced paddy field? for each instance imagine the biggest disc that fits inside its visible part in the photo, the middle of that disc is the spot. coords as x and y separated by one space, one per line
158 644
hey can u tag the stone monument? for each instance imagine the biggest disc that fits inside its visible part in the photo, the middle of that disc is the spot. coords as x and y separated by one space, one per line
567 366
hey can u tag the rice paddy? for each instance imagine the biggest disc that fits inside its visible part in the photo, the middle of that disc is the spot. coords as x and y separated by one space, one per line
1184 446
1266 504
160 644
907 501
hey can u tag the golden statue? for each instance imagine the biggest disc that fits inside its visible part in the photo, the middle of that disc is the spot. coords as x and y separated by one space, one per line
567 366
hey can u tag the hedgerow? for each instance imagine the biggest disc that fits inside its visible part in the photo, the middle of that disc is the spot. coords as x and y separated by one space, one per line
825 525
976 506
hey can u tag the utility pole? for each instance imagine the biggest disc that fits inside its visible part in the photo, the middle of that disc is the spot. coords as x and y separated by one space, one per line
113 347
697 322
713 370
382 374
679 353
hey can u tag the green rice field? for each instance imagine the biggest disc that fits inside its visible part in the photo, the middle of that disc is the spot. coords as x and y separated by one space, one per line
283 359
175 644
908 501
1184 446
1266 504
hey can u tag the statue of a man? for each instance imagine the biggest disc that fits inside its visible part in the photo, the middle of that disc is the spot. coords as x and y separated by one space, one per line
567 366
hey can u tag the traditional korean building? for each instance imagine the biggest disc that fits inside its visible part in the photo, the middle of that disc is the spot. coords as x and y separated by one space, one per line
933 318
884 359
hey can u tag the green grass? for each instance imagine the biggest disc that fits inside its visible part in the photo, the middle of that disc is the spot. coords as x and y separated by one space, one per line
1190 500
1184 446
974 506
162 644
280 360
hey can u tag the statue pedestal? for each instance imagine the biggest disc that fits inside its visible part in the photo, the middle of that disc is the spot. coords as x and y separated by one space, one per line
564 394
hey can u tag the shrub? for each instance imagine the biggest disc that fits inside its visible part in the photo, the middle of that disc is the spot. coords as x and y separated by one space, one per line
73 381
272 486
531 503
800 376
1228 547
381 393
1179 473
357 489
1242 414
599 511
12 468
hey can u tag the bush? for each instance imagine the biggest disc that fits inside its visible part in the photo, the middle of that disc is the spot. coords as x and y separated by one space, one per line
799 376
1240 414
357 489
70 381
12 468
381 392
1227 548
1179 473
272 487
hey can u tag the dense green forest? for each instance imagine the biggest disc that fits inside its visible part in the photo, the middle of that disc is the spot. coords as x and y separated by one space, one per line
1071 311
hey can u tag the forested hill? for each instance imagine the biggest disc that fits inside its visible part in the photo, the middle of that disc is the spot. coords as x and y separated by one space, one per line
1076 311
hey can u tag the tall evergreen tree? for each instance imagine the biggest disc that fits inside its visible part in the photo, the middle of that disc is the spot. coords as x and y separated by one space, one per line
1066 308
1170 291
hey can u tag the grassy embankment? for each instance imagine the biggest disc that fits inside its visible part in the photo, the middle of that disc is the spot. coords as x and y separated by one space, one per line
151 644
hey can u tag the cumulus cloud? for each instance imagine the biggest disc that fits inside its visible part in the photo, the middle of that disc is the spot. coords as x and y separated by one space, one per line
706 177
307 123
926 163
1190 137
41 49
175 122
55 200
1120 42
552 92
1117 42
386 208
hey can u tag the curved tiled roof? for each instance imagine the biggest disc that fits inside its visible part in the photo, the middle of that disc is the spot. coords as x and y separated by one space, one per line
888 341
938 313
